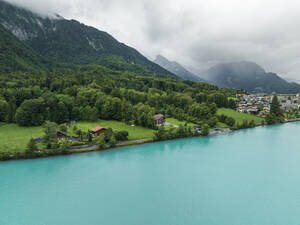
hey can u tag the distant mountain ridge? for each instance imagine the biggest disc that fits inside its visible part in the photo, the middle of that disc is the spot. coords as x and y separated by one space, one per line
177 69
68 41
250 77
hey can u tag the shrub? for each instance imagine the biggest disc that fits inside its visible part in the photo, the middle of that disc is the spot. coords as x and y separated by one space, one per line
121 135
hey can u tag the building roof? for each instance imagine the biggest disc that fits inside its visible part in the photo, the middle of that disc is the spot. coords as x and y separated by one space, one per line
97 129
61 133
159 116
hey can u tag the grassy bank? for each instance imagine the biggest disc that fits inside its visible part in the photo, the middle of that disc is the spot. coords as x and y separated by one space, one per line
135 132
14 138
239 117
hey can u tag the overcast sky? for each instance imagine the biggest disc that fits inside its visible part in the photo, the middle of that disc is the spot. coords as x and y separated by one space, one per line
196 33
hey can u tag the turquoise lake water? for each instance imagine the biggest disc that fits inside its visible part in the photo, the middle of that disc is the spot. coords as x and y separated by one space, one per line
250 177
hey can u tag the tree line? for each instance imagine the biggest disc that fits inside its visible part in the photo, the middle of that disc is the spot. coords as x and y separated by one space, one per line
95 92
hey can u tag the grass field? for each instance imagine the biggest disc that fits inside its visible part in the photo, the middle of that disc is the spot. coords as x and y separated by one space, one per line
135 132
239 117
15 138
174 121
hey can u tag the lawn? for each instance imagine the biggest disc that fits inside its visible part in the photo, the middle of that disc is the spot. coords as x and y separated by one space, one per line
15 138
135 132
239 117
174 121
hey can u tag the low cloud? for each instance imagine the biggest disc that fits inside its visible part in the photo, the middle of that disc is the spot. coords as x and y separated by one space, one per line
196 33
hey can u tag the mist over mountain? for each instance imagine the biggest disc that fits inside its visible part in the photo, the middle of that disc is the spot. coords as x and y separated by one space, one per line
249 76
177 69
68 41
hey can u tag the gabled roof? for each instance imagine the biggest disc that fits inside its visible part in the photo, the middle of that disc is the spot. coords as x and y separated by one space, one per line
159 116
97 129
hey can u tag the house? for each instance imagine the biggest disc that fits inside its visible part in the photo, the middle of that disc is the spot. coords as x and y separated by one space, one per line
159 119
61 135
98 131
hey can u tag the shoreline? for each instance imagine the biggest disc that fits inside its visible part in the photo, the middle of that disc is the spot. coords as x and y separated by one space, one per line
216 132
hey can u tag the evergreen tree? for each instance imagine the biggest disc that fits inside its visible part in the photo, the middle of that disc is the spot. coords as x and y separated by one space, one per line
205 130
31 147
275 107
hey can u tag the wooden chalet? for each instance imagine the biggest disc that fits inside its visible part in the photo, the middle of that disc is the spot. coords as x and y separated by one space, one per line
98 131
159 119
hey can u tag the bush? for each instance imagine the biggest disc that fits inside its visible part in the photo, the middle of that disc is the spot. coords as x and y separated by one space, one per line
205 130
63 128
121 135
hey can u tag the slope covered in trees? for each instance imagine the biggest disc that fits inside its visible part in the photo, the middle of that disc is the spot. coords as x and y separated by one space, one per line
16 56
68 41
95 92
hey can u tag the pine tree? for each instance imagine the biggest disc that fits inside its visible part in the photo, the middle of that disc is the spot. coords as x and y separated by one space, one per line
275 107
31 146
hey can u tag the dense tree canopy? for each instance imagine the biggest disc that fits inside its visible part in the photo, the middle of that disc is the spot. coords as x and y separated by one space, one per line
95 92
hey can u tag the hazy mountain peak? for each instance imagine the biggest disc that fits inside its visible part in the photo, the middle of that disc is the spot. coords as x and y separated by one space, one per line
249 76
176 68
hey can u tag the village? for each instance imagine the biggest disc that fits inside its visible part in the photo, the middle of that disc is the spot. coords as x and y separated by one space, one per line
259 105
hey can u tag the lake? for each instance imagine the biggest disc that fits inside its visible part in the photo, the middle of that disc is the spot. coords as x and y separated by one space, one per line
250 177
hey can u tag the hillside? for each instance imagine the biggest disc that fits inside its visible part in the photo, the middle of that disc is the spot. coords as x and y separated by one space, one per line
250 77
177 69
68 41
16 56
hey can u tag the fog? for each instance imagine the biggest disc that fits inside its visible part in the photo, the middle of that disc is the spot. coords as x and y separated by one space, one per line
197 34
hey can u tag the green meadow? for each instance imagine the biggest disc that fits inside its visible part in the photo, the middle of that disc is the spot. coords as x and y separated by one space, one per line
238 116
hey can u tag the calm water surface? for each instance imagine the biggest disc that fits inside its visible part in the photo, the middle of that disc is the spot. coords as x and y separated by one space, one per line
251 177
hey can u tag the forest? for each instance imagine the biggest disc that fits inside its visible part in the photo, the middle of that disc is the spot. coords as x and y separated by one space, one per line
92 92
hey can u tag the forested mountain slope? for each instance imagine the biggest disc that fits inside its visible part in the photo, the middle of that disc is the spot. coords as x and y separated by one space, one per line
16 56
68 41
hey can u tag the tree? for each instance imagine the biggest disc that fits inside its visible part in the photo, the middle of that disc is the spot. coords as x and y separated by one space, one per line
230 121
112 141
63 128
64 146
61 113
3 111
271 118
275 107
121 135
50 129
31 147
100 141
205 130
30 113
159 134
79 133
212 122
108 134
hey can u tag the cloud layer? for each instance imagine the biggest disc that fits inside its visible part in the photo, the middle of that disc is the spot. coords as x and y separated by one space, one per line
196 33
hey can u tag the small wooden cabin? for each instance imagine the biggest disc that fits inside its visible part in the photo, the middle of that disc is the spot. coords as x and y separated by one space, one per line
98 131
159 119
61 135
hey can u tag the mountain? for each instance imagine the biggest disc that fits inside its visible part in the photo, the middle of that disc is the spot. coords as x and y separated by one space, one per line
177 69
16 56
68 41
250 77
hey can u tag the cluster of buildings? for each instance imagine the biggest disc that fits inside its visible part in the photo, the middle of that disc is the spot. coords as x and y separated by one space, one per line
260 104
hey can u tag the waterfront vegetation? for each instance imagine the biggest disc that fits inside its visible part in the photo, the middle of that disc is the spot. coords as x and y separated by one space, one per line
239 117
135 132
